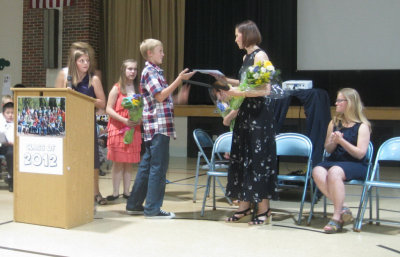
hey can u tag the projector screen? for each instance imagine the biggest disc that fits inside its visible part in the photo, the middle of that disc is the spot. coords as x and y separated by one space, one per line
348 34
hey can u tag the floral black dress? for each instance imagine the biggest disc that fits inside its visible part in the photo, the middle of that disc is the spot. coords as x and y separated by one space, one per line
252 173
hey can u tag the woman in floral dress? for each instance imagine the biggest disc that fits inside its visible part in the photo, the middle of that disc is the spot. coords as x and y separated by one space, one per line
252 176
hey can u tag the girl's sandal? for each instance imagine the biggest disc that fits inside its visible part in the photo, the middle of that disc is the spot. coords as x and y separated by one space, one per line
333 226
240 216
347 216
100 199
257 221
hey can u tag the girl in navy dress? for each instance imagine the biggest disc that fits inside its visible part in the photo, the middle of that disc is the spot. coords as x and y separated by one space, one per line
347 141
81 71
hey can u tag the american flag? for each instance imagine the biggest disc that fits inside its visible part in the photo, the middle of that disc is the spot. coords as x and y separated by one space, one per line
50 3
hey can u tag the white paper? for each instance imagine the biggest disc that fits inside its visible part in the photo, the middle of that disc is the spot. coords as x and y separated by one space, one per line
211 72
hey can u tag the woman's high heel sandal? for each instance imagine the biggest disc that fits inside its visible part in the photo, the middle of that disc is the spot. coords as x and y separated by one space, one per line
245 218
257 221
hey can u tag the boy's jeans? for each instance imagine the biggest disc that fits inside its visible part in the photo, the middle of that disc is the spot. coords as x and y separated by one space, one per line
151 177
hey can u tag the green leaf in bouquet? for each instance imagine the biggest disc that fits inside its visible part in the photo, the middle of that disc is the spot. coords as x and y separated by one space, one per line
128 137
235 102
232 125
136 114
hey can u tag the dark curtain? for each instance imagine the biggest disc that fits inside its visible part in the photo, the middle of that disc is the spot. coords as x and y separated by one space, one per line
210 37
209 44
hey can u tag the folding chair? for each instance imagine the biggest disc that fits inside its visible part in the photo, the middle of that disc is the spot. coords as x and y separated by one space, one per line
294 144
204 142
356 182
221 145
388 151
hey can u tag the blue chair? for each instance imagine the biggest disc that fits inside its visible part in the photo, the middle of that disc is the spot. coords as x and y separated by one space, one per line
204 143
388 151
221 145
356 182
294 144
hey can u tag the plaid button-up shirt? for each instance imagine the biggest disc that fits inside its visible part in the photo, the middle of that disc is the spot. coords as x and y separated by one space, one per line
158 118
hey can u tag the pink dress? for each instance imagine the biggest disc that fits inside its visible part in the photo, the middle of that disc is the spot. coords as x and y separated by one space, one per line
117 150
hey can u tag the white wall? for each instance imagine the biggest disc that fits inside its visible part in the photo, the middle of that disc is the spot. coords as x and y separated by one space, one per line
11 17
348 34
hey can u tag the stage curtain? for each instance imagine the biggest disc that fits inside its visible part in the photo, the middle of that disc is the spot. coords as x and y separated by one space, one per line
210 36
128 22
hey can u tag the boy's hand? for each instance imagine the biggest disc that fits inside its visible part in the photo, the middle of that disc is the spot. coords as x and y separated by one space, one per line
185 74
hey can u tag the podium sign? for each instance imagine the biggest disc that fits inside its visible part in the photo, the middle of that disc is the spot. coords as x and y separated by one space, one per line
41 155
53 163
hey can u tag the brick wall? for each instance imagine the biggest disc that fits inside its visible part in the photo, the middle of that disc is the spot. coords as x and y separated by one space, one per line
81 22
33 72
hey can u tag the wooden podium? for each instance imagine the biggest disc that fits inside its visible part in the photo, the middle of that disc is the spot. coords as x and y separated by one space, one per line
59 200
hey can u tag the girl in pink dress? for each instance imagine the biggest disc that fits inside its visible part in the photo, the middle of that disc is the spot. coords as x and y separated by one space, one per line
122 155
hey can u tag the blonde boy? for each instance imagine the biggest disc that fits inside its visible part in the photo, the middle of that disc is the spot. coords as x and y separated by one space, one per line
158 127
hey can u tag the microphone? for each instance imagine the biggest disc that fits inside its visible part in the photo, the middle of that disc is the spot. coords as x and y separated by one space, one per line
69 81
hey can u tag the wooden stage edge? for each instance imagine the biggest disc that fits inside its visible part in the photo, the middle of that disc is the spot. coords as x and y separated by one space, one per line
294 112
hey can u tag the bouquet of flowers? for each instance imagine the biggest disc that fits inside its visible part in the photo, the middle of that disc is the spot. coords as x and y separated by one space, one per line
255 78
221 101
224 109
134 105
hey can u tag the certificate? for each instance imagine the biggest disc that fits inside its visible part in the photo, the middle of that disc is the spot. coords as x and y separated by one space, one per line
210 72
216 86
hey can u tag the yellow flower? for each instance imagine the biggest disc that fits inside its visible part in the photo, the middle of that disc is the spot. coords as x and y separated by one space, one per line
266 75
267 63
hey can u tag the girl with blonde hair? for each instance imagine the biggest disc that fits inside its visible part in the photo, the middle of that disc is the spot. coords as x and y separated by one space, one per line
347 141
80 73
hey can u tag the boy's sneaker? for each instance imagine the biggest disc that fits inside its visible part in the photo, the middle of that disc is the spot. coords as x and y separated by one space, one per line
162 215
135 211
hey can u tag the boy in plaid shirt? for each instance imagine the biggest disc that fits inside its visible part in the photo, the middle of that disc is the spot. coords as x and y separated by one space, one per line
158 127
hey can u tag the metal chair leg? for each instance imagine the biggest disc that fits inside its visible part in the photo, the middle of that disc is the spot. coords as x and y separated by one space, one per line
363 206
302 202
196 180
214 204
223 191
205 196
312 206
377 197
356 225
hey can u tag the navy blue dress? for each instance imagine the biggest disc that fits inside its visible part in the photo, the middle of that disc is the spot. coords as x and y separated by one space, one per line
353 168
252 174
83 87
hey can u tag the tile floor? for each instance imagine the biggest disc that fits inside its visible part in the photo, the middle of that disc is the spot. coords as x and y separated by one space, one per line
113 233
